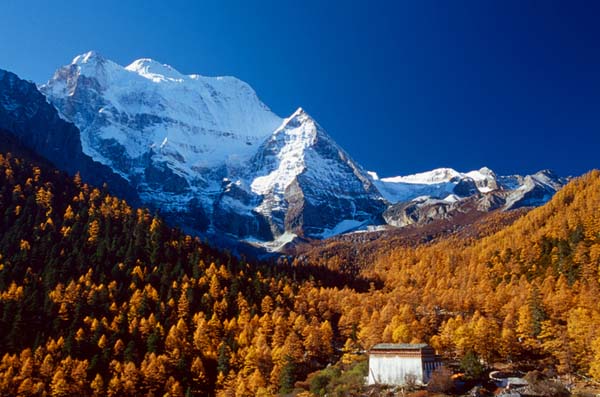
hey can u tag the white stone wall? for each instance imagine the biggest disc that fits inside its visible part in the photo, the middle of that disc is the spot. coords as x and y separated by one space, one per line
392 370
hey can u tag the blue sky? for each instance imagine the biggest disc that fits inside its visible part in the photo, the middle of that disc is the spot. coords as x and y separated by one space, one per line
403 86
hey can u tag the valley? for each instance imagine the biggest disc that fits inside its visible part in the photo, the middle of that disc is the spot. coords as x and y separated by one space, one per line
168 234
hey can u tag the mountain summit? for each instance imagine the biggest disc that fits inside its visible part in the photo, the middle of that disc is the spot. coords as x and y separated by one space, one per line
208 155
172 136
198 121
208 152
300 182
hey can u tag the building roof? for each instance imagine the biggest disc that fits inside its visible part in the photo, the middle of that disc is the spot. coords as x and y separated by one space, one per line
400 346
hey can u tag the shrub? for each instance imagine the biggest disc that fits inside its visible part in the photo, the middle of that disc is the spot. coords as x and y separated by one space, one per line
541 385
351 382
320 380
441 380
471 365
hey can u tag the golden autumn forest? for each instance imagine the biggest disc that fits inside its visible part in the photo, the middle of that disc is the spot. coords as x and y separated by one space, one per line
98 298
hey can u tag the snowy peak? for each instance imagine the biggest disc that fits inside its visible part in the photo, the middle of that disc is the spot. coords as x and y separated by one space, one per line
213 158
300 118
300 114
154 71
299 125
300 182
88 58
207 121
282 156
441 182
300 146
492 193
485 179
439 175
481 174
442 175
90 64
438 183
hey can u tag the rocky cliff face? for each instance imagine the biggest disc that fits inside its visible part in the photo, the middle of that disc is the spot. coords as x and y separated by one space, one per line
301 182
504 193
35 124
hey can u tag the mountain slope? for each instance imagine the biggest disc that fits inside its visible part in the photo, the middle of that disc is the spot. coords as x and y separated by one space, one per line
35 124
99 298
299 182
172 136
209 155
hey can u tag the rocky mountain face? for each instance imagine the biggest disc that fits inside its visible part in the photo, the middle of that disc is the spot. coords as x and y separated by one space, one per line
300 182
173 137
480 191
28 120
209 155
212 158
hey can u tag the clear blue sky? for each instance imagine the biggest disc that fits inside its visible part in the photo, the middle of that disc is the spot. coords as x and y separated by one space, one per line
403 86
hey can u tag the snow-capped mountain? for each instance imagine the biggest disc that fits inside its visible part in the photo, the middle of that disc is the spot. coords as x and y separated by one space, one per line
173 136
299 182
209 154
192 122
212 158
438 183
444 193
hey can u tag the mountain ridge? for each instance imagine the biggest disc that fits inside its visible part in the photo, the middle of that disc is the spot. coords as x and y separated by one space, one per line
212 158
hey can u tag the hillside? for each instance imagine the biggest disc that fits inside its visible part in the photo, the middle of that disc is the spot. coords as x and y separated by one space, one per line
527 293
353 253
98 298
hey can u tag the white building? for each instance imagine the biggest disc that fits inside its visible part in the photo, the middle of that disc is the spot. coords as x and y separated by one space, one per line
395 364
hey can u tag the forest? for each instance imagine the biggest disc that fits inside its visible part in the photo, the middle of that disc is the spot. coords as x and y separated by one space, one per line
99 298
